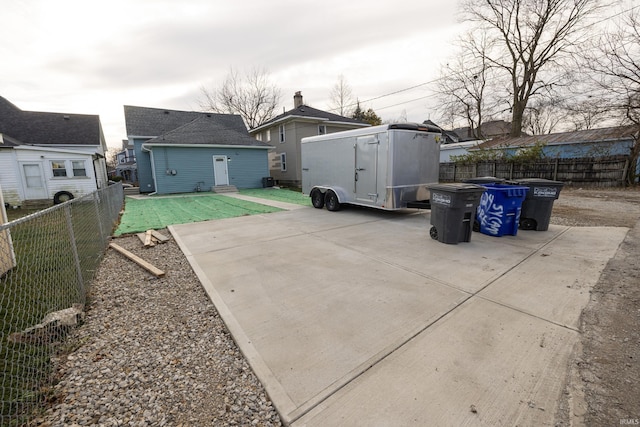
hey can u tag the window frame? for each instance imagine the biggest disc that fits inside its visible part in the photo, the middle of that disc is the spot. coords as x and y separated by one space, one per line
283 162
84 168
322 129
67 167
61 166
282 134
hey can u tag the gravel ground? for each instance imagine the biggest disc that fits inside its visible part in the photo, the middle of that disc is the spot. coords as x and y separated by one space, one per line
155 352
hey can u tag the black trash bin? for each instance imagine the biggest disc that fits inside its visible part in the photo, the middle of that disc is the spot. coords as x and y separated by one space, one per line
267 181
537 206
453 209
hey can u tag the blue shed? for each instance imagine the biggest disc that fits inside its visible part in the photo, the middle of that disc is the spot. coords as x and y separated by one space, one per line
183 152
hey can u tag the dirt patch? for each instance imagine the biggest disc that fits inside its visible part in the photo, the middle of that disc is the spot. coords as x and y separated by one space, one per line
602 387
597 207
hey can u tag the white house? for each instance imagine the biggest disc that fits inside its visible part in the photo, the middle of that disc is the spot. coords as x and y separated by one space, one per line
49 156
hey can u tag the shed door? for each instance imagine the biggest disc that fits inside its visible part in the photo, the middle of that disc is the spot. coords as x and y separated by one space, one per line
366 168
220 170
33 178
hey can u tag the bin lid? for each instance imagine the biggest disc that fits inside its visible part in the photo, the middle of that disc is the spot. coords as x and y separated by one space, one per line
537 181
485 180
508 190
457 187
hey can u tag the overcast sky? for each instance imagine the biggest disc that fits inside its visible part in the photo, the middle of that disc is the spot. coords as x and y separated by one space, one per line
90 57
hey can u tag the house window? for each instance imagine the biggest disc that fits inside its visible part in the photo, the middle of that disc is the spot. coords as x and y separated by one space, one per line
259 136
322 129
268 135
79 168
59 168
281 129
283 162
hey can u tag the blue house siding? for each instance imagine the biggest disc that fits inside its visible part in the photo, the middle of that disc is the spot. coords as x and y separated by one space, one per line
143 159
586 149
182 169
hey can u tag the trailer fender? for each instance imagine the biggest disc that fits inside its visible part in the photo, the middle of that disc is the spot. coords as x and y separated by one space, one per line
343 195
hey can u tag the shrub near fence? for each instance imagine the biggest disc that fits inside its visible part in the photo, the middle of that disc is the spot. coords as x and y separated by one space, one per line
600 172
54 253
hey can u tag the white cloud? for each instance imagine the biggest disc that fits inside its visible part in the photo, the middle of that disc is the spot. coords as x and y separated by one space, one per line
87 57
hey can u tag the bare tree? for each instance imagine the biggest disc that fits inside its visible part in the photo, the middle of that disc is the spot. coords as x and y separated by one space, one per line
251 95
341 97
532 37
544 116
588 113
463 85
615 69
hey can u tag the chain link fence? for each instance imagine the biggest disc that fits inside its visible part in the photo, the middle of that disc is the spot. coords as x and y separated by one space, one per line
47 260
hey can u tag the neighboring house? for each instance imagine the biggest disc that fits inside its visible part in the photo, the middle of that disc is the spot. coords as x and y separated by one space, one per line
610 141
285 132
186 151
456 149
49 156
492 129
603 142
126 163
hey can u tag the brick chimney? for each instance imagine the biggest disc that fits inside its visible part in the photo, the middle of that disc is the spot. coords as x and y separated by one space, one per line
297 100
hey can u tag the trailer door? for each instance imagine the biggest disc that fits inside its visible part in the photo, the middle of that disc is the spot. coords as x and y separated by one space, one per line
366 173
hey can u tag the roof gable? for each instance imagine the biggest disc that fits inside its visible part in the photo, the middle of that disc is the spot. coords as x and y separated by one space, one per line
304 111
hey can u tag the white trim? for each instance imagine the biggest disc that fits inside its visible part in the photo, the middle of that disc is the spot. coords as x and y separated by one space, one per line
53 150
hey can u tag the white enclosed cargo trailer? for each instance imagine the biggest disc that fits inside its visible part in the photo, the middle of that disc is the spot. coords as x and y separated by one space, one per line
387 167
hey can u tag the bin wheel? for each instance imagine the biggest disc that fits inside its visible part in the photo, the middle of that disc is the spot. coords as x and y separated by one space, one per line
317 198
476 226
528 224
433 233
331 201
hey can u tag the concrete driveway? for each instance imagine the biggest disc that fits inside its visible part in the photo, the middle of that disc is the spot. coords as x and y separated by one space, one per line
357 317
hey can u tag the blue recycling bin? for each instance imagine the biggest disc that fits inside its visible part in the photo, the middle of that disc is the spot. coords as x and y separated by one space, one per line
498 213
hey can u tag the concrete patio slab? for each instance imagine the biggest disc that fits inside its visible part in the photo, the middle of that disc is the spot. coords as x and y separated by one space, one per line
482 365
345 316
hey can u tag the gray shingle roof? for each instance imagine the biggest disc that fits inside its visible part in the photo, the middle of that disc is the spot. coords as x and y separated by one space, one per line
581 136
306 111
152 122
41 128
207 129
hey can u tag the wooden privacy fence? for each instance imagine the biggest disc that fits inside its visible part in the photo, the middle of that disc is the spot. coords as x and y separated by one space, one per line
587 171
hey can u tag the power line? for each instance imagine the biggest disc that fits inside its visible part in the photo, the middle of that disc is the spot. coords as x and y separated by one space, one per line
435 80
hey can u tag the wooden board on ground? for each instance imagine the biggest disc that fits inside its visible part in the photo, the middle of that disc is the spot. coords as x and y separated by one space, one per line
142 263
152 237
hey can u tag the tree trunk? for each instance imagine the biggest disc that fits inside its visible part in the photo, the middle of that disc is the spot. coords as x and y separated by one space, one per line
516 118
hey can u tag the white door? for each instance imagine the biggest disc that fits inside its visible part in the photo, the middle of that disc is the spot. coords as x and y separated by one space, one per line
220 170
33 178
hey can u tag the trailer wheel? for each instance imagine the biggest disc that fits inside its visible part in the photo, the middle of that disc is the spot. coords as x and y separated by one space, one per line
61 197
331 201
317 198
433 233
528 224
